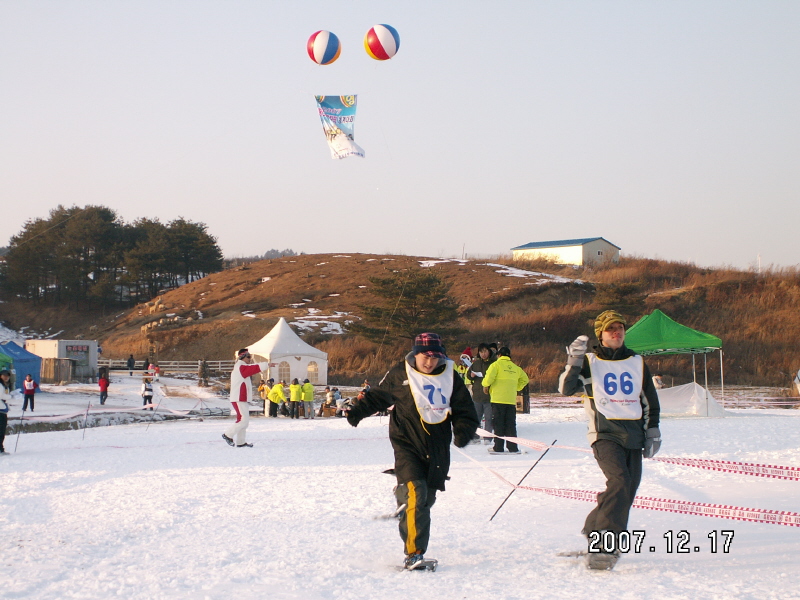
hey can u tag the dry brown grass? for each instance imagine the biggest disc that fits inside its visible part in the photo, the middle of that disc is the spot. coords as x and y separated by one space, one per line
756 315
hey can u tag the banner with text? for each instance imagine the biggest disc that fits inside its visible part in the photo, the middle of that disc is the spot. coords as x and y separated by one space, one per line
338 114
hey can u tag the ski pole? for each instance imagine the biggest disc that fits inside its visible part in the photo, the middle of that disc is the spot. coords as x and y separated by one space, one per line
19 430
153 416
392 515
86 419
521 480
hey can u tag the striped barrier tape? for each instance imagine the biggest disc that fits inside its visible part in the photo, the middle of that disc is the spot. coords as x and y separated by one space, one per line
723 466
726 466
700 509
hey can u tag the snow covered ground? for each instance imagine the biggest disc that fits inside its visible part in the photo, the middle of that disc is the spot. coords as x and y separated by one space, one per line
173 512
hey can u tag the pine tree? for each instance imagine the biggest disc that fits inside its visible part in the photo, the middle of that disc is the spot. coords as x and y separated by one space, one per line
412 302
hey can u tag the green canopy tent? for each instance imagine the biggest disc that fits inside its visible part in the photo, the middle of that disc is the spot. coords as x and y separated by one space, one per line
656 333
5 362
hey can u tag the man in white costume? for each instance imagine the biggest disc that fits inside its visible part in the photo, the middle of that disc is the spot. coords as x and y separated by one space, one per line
241 395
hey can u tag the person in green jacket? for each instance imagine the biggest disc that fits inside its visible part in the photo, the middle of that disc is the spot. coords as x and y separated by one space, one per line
502 382
295 394
307 392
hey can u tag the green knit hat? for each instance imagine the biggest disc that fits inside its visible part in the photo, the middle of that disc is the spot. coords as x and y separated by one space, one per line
605 319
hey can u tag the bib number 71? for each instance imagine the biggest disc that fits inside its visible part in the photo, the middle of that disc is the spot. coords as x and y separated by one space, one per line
430 389
625 383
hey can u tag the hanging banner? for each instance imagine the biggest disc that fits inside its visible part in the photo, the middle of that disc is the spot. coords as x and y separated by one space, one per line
338 114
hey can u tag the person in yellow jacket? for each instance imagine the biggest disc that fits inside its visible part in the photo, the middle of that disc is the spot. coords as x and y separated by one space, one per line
307 392
263 390
276 397
502 381
295 394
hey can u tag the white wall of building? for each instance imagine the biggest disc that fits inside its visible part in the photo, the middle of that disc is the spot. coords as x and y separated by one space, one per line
594 252
562 255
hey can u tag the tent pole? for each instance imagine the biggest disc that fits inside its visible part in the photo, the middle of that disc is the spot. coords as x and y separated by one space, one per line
722 378
705 368
694 373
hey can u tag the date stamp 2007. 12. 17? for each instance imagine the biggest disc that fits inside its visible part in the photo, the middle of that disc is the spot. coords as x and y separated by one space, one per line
670 542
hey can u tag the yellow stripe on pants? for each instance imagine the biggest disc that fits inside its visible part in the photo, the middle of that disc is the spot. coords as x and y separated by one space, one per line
411 519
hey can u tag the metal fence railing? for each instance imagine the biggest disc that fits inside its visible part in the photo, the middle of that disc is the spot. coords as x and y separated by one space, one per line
171 366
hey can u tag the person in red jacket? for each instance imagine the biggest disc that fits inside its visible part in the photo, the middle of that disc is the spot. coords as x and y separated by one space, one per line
29 389
241 395
103 382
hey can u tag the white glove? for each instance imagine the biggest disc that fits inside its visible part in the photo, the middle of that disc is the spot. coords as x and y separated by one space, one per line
466 360
577 350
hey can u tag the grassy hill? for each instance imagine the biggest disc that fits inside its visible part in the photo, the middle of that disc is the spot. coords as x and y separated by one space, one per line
535 308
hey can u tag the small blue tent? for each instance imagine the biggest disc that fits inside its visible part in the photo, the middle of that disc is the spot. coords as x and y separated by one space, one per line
23 362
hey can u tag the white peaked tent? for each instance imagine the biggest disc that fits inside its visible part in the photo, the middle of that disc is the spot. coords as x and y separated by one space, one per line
690 399
290 357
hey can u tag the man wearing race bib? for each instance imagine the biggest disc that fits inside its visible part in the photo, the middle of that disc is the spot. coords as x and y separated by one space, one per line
622 405
431 406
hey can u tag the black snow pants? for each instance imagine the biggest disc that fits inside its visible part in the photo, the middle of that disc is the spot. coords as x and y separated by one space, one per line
415 522
504 417
3 425
623 470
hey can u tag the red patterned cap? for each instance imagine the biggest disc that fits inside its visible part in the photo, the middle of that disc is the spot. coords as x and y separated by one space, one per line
429 344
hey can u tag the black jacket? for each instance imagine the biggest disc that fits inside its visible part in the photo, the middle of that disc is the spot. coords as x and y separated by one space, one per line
628 434
421 450
480 366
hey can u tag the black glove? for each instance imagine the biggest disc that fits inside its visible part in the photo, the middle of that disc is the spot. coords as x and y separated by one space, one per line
352 418
652 442
461 440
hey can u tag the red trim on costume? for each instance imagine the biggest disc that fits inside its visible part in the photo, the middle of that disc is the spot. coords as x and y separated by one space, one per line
238 412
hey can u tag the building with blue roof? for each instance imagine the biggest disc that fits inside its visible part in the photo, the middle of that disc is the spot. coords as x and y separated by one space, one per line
584 251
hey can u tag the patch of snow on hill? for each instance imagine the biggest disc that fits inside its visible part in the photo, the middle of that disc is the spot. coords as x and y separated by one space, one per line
314 320
541 277
431 262
9 335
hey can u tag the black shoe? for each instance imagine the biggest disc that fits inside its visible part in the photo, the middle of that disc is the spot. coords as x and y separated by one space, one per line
245 446
228 440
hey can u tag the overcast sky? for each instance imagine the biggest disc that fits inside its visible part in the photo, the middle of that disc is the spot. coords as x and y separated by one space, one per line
671 128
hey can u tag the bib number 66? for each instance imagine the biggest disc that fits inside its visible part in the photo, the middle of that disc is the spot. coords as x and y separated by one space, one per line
625 383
